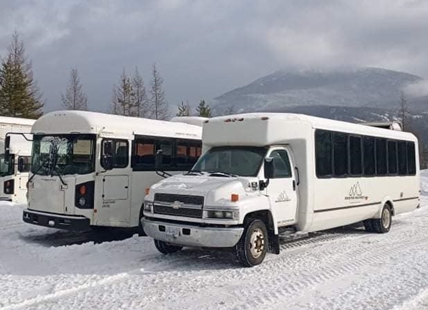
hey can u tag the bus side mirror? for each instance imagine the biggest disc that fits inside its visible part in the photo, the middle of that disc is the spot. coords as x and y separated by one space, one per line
7 149
158 160
107 157
268 168
21 165
107 162
108 147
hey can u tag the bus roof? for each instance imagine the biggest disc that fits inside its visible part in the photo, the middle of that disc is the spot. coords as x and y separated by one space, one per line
16 121
65 122
271 128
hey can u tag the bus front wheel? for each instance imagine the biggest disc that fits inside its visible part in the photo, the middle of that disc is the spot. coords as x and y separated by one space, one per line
166 248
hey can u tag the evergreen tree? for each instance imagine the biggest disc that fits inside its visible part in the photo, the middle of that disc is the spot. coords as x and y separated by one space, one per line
74 98
203 109
123 97
158 103
183 109
19 93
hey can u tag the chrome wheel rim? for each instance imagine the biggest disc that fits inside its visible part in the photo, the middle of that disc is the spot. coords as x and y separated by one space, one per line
257 243
386 218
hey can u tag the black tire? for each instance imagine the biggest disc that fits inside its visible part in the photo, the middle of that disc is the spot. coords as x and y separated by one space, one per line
252 247
383 225
166 248
368 225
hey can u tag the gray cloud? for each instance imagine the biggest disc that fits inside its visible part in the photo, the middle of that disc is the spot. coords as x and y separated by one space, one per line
206 47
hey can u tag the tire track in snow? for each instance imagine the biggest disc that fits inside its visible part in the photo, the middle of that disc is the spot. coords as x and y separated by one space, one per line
65 292
284 281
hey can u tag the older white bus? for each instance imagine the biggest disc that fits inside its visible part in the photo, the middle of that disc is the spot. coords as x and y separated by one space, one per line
263 174
15 163
90 169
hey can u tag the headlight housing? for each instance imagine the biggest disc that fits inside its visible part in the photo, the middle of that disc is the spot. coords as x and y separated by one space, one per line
148 206
222 214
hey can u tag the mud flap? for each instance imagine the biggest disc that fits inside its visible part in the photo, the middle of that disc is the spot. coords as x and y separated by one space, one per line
273 243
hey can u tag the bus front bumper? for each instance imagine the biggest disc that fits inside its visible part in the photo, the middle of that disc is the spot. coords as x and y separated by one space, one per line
190 235
78 223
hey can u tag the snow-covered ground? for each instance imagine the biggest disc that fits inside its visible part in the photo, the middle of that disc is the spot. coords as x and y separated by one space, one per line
346 268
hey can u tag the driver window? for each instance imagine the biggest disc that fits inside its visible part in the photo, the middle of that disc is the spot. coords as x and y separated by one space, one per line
281 164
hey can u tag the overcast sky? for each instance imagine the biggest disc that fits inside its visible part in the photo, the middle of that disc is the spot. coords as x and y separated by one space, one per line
205 48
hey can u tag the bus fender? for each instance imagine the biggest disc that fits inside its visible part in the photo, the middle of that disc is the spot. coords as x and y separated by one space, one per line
385 200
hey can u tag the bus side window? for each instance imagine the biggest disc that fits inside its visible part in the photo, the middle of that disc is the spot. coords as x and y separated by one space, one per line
187 154
281 164
117 150
24 163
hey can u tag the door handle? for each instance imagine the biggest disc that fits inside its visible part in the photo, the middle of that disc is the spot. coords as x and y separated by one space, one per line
294 185
126 186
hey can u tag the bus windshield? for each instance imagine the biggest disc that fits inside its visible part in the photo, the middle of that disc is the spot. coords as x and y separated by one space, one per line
63 154
232 160
5 166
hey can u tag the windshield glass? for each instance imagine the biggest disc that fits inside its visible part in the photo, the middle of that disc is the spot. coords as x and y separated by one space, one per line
63 154
5 167
233 160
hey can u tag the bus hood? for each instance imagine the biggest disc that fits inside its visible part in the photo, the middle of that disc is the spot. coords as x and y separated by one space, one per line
215 190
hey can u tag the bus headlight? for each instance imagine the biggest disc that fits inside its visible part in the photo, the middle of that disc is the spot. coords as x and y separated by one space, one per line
148 206
9 187
82 201
230 215
84 195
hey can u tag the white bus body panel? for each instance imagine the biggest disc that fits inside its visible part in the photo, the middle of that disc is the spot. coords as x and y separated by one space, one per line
319 203
118 193
318 196
18 147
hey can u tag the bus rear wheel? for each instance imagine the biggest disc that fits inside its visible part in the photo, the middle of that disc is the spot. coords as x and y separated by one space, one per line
383 225
252 247
166 248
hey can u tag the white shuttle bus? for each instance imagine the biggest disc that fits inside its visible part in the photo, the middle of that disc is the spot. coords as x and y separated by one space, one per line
91 169
264 174
15 161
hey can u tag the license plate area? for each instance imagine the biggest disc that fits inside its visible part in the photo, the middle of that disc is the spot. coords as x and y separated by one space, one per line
172 232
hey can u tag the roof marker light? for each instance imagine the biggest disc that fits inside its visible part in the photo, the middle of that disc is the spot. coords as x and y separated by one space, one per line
264 118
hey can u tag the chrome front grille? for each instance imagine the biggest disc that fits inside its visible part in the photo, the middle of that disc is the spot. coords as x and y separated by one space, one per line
178 205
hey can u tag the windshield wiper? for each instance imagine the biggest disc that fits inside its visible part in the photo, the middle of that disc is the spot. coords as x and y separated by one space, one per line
222 174
38 169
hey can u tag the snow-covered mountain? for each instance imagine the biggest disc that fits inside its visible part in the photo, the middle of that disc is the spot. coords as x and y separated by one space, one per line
353 95
364 87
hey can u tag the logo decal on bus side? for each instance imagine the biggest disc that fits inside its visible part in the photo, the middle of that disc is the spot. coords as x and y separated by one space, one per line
355 193
282 197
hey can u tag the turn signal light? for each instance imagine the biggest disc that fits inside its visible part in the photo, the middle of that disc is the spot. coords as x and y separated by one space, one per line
234 197
147 191
82 190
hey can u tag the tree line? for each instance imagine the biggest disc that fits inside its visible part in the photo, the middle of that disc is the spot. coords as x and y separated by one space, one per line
20 95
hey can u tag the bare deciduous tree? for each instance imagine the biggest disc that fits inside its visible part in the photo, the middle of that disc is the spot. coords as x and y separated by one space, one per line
158 103
74 98
140 101
404 112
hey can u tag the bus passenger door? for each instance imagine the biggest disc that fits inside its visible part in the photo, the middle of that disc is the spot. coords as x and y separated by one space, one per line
282 188
115 186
